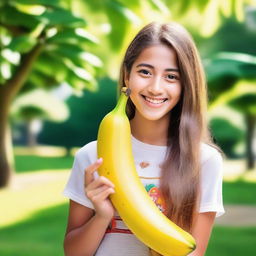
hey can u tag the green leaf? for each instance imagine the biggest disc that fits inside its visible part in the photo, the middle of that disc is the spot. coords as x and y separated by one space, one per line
71 36
77 55
237 56
239 65
39 79
21 19
92 59
125 12
131 3
54 3
61 17
80 84
30 9
160 6
240 88
69 51
44 64
22 44
220 68
184 6
119 23
245 103
79 72
11 56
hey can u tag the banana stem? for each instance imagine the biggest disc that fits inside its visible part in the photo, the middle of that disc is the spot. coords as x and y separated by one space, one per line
121 103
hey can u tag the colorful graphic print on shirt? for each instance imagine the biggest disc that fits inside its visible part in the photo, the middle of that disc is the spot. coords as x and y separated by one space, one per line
156 196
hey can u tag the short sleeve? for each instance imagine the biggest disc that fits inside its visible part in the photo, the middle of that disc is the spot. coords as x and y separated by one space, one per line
211 185
74 188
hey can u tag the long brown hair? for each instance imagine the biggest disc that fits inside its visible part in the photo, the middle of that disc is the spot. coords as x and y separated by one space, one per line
180 176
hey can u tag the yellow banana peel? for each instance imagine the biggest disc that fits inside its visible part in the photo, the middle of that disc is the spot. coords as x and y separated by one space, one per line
131 199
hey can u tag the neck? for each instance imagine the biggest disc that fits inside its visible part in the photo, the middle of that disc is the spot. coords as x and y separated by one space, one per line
151 132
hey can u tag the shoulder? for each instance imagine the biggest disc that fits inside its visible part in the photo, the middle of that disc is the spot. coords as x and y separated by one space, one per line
210 154
87 153
211 165
211 162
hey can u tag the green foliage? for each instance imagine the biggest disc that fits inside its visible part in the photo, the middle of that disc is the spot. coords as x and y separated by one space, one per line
226 135
117 15
61 17
63 36
22 44
246 103
232 36
39 104
86 112
52 3
22 20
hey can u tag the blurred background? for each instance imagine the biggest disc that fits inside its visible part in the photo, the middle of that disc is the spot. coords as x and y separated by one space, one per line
59 68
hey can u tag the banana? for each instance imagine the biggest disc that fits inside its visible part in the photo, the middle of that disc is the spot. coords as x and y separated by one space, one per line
130 199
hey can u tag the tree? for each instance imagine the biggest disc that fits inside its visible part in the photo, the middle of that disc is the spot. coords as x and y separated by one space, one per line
36 105
86 112
47 44
47 38
235 73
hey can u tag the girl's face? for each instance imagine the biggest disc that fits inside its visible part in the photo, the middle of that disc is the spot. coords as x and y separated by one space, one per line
155 83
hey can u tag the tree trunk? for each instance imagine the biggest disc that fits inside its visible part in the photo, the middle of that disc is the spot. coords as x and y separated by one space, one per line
250 125
7 92
31 135
6 158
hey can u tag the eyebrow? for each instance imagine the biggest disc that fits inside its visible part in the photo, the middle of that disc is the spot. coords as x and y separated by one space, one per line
150 66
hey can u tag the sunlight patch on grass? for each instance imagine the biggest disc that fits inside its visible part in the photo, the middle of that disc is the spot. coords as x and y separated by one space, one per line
249 176
40 151
235 170
30 192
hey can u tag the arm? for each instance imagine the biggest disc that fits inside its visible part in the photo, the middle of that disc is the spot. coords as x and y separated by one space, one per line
84 231
87 227
202 232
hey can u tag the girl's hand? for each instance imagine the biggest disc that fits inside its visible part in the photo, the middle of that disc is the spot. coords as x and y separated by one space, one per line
98 190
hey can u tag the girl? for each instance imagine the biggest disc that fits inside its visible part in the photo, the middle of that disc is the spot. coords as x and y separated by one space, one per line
174 156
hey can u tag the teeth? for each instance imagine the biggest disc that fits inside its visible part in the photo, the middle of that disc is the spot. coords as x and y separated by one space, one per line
155 101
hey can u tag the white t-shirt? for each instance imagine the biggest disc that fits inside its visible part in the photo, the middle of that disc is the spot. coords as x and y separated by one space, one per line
147 159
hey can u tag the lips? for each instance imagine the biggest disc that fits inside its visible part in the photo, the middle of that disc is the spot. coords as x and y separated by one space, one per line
154 100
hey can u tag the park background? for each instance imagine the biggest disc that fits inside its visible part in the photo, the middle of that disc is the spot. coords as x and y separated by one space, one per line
59 68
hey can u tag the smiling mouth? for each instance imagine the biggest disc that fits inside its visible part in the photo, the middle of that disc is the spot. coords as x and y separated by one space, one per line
154 100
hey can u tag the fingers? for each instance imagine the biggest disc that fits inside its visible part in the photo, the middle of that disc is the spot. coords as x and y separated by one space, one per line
88 177
100 194
103 195
99 182
94 187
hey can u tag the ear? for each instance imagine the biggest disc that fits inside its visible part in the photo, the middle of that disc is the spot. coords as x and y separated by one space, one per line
126 78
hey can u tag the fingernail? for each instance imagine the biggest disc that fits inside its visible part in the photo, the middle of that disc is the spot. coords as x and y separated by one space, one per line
99 160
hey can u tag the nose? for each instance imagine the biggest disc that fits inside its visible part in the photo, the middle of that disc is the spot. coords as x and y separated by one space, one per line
155 87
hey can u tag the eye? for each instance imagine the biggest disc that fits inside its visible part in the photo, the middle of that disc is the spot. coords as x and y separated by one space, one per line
172 77
144 72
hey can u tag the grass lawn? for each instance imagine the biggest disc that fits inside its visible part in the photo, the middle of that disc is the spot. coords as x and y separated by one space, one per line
232 241
27 163
43 233
239 192
40 235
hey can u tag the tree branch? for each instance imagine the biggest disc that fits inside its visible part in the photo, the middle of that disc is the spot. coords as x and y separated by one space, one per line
14 30
12 86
